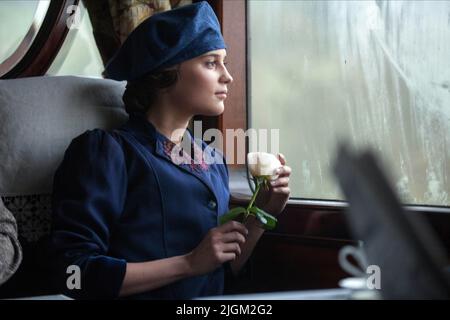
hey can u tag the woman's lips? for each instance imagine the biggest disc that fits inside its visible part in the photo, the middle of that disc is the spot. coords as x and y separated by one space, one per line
221 95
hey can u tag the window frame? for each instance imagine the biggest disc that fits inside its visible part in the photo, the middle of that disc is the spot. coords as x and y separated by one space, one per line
47 43
232 17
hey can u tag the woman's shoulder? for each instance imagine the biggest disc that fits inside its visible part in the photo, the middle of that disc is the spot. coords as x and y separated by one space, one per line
96 142
96 137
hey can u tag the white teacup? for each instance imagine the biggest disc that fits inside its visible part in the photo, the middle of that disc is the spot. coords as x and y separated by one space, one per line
358 282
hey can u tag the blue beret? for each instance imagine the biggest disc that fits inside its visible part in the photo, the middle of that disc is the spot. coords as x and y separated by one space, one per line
166 39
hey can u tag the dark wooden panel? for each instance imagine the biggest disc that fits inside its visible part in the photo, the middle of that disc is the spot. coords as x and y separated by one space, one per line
235 35
329 222
281 263
309 220
232 16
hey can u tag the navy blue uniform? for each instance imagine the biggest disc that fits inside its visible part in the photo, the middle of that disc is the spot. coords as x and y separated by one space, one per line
118 198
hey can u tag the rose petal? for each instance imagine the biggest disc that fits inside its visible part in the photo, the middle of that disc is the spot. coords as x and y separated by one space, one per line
263 164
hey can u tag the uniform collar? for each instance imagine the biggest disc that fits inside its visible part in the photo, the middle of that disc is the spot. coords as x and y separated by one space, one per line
147 134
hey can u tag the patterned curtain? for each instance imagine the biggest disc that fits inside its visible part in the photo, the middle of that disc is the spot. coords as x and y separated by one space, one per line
113 20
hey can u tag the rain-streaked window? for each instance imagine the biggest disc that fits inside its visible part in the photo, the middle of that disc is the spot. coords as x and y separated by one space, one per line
374 73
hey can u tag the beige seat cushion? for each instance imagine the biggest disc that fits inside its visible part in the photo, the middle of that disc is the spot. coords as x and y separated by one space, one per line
39 117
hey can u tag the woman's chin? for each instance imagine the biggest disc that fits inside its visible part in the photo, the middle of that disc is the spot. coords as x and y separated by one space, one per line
213 111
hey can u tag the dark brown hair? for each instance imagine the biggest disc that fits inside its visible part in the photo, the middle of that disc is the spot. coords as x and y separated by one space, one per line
140 94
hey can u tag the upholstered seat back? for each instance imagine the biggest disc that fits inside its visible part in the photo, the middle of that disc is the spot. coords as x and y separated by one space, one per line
39 117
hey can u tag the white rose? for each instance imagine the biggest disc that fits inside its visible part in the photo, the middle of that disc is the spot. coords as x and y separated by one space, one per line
263 164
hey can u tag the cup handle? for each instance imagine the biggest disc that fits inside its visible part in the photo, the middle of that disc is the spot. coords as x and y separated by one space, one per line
346 265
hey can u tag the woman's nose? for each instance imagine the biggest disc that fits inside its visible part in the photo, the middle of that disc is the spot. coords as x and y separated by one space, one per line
226 77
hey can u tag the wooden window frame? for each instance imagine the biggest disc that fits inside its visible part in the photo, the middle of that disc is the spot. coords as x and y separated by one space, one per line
51 35
234 33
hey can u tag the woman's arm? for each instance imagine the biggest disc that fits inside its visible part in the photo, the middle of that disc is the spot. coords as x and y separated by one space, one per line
220 245
272 201
145 276
89 192
254 234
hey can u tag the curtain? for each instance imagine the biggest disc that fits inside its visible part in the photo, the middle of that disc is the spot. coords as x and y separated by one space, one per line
113 20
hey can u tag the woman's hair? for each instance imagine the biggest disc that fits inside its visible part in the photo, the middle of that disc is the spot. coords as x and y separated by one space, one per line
140 94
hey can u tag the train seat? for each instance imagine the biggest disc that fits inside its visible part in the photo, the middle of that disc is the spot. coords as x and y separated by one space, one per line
39 116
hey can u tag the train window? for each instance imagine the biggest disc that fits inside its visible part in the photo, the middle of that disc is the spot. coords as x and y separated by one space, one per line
20 22
374 73
79 54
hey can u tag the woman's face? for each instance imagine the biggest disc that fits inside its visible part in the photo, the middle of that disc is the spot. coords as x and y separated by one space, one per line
202 84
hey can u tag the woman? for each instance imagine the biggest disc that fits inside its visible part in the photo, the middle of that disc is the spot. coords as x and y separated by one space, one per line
137 224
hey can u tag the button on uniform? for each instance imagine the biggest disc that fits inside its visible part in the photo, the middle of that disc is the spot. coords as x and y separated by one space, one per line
212 204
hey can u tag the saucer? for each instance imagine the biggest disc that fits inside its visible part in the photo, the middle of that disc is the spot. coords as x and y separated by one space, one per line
353 283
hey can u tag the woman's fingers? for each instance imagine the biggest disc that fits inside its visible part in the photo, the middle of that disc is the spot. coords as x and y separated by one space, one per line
280 182
229 256
228 252
284 171
232 248
233 237
282 158
282 190
232 226
221 244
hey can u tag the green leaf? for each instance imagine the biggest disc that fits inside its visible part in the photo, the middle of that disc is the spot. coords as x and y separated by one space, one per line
232 214
269 222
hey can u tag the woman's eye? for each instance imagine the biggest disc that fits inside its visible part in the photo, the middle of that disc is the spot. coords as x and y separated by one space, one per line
210 64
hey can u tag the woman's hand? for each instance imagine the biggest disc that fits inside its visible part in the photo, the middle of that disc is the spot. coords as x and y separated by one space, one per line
221 244
275 198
